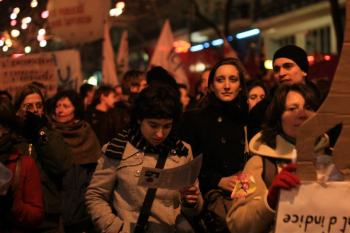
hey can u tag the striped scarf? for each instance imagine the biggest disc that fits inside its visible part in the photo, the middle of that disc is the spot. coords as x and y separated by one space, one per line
116 146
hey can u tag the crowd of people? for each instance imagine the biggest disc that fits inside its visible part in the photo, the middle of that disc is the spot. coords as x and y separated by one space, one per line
71 163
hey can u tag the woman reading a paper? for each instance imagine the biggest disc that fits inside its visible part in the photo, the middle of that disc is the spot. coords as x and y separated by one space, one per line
271 167
150 141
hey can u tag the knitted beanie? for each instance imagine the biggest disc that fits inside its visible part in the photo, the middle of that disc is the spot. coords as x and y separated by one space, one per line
294 53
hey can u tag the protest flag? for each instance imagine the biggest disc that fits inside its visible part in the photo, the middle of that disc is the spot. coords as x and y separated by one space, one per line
123 55
164 55
109 75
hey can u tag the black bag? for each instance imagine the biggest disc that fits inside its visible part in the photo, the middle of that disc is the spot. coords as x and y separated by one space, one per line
216 205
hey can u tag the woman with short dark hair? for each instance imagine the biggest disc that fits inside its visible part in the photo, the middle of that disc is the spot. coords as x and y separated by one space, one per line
256 92
150 138
67 119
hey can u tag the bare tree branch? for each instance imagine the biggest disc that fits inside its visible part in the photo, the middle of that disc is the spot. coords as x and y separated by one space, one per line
227 17
255 7
205 19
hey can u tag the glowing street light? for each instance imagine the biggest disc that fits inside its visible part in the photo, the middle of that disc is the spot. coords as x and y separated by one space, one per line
16 10
115 12
13 16
15 33
43 43
27 49
24 26
41 32
5 48
40 37
45 14
34 4
13 22
8 42
27 20
120 5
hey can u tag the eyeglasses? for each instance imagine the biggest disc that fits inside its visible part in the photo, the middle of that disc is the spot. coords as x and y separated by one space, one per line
30 106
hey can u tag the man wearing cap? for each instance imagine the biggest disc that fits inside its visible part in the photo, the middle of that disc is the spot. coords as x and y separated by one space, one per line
290 65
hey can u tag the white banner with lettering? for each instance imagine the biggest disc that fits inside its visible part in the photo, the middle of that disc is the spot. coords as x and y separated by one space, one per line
78 21
315 208
56 70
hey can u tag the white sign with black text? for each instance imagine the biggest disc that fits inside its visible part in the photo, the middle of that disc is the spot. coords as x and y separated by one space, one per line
315 208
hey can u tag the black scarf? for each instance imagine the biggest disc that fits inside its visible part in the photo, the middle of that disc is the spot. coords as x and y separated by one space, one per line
171 144
237 109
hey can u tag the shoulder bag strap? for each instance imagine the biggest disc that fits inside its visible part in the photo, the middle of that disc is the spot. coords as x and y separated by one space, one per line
246 142
149 198
269 171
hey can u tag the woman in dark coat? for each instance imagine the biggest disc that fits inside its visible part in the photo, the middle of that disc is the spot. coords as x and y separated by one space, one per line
85 147
217 130
48 150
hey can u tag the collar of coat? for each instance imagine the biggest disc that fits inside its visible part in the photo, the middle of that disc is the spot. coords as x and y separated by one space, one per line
127 138
284 149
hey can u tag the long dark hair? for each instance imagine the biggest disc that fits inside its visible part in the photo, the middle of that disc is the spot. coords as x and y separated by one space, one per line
27 90
241 99
234 62
273 123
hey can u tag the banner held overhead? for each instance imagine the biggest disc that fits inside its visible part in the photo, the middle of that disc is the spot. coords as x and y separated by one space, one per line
77 22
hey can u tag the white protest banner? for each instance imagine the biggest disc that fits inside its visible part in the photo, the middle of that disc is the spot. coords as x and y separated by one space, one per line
57 71
78 21
18 72
68 65
315 208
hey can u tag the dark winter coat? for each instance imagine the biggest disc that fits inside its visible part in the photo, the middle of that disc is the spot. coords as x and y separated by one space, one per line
53 158
85 150
107 124
216 131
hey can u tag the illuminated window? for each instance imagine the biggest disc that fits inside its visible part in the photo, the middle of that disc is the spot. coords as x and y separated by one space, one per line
318 40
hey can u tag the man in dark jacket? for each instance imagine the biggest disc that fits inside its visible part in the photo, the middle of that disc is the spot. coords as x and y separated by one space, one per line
105 119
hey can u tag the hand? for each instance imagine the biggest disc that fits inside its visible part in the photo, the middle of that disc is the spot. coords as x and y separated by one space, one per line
284 180
227 183
190 195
